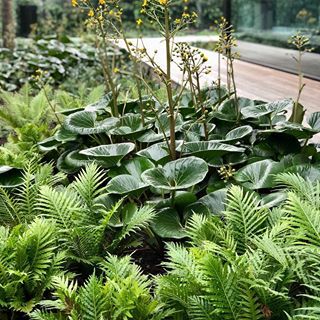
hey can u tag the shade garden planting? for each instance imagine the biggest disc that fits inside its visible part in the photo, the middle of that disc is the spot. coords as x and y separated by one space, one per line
136 199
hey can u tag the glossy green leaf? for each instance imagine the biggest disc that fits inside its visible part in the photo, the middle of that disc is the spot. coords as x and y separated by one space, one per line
167 224
177 175
10 177
228 109
213 203
108 155
295 129
102 104
272 108
130 126
157 152
258 175
162 126
134 167
85 123
238 133
208 149
126 184
273 199
49 144
64 135
314 121
74 159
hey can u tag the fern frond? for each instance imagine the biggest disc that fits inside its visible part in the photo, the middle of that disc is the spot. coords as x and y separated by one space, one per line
9 209
200 308
175 292
116 269
134 222
89 184
250 306
43 315
182 263
27 193
85 243
305 218
36 249
244 216
62 206
93 300
222 288
199 228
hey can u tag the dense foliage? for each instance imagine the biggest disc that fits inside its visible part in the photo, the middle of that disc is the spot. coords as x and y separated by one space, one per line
136 199
59 59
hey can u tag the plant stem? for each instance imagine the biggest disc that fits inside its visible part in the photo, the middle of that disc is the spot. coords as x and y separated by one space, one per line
172 119
173 196
50 104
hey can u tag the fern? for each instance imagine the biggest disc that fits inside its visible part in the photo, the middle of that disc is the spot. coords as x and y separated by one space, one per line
133 222
244 216
36 249
303 188
221 286
305 218
200 308
181 262
89 184
61 206
9 211
93 300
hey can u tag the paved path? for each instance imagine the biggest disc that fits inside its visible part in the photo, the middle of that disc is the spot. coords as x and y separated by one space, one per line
253 81
279 58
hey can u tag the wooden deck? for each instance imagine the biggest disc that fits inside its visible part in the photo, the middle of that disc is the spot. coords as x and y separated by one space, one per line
252 80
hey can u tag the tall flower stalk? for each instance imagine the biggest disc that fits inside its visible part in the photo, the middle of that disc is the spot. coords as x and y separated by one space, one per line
302 44
227 42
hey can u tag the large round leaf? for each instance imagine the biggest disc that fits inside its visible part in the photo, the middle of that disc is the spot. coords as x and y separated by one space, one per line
258 175
157 152
228 109
10 177
177 175
134 167
126 184
195 131
108 155
295 129
238 133
314 121
273 199
213 203
208 149
162 129
270 109
85 122
167 224
74 159
102 104
66 167
130 126
64 135
49 144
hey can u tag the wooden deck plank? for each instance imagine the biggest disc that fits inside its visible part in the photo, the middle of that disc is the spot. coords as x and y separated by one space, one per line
252 80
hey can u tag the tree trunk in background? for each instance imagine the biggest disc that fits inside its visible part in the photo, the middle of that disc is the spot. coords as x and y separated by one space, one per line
199 11
8 24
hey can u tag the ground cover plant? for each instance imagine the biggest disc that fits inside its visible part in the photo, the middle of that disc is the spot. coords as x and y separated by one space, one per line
134 203
59 58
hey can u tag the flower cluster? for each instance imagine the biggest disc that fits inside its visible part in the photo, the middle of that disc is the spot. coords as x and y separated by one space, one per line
226 172
154 9
227 41
191 60
301 42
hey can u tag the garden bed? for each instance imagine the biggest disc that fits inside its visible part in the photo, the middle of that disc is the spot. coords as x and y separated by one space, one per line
139 199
